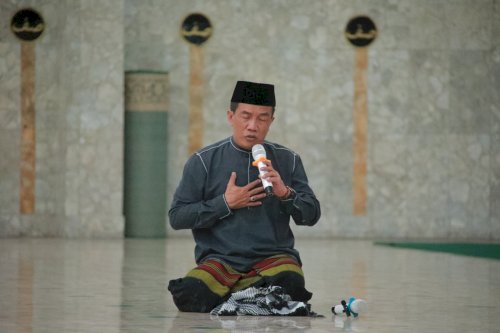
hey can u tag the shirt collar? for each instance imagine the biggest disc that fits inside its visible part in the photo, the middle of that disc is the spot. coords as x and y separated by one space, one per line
238 148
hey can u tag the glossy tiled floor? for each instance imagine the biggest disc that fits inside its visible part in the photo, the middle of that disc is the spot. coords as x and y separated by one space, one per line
55 285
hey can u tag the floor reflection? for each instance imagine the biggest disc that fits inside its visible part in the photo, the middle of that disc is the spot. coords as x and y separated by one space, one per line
346 324
55 285
263 324
143 298
192 322
25 295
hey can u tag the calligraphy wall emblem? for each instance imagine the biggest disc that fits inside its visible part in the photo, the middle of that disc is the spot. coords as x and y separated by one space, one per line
27 25
361 31
196 29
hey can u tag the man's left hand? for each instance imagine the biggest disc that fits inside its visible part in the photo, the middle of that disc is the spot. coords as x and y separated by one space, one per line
272 176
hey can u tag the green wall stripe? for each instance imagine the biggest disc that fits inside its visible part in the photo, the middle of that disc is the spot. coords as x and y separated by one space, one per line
145 169
483 250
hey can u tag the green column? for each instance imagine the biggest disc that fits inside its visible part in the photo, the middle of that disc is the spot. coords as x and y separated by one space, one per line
145 169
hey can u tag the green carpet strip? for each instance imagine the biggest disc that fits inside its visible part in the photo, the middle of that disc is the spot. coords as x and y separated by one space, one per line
491 251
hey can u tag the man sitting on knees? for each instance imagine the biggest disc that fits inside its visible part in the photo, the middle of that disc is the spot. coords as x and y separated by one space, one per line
242 233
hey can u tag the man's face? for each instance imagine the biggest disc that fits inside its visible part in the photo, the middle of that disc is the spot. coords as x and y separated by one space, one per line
250 124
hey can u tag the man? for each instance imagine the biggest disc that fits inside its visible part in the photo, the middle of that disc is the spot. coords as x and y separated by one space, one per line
243 237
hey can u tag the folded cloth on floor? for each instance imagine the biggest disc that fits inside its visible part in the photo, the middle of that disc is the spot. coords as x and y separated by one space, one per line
265 301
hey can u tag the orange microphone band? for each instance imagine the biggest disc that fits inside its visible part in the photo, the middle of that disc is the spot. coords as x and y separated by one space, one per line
260 159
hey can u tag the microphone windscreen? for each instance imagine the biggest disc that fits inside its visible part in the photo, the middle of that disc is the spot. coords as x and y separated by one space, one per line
258 150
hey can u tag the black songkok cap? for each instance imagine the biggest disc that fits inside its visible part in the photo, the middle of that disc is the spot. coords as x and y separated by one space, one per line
254 93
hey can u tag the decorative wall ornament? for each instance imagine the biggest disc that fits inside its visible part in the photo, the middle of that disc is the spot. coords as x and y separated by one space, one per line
360 32
27 25
146 92
196 29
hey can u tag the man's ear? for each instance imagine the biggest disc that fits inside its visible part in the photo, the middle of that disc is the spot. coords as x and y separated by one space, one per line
229 116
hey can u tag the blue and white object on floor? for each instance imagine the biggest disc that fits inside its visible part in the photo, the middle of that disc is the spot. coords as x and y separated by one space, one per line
355 306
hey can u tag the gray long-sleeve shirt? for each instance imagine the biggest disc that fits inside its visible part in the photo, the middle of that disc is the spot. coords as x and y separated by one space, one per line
240 237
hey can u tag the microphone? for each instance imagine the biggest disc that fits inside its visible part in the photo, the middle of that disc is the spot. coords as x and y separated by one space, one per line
259 156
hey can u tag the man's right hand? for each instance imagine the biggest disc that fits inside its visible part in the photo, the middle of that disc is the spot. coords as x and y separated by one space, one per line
249 195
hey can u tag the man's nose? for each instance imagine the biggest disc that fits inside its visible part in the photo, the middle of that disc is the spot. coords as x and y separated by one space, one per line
252 124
